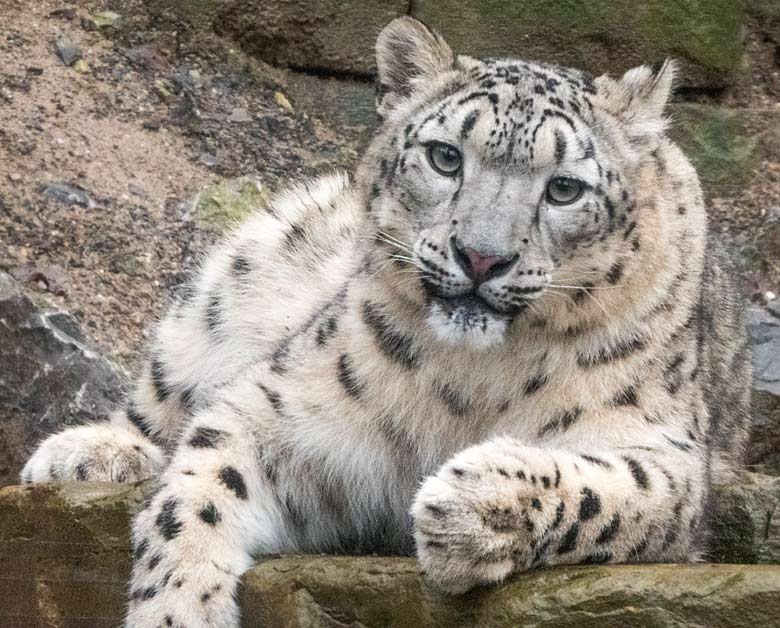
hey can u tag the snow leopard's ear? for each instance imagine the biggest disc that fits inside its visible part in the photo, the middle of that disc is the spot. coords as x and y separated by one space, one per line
407 52
639 98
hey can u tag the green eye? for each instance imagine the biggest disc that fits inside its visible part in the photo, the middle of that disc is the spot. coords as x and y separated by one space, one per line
564 190
444 158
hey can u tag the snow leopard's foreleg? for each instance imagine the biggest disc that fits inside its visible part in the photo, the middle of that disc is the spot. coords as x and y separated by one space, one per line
216 507
502 507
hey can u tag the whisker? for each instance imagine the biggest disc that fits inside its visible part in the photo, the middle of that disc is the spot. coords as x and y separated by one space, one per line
397 246
388 239
381 268
552 285
391 238
533 307
555 293
404 258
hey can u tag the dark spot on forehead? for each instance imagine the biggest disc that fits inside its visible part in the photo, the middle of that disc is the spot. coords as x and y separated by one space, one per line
468 124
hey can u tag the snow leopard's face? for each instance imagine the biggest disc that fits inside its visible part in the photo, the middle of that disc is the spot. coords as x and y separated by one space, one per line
493 182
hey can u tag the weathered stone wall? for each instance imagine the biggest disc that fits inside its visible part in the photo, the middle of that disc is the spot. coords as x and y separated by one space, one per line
337 37
65 561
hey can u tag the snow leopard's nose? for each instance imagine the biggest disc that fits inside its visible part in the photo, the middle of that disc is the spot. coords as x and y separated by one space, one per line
480 267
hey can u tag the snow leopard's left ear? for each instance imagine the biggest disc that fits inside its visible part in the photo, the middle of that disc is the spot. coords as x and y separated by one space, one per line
639 98
407 53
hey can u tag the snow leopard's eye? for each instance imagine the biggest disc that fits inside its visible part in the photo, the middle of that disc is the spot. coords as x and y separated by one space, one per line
564 190
444 158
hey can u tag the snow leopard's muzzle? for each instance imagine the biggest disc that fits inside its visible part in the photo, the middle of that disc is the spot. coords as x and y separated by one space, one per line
474 293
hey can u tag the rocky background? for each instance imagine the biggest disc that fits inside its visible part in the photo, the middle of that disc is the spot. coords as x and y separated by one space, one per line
134 132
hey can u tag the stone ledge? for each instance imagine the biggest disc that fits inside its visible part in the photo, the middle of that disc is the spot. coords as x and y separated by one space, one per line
377 592
65 560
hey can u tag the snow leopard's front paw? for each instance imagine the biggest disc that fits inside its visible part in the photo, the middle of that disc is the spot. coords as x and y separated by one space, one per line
99 452
483 515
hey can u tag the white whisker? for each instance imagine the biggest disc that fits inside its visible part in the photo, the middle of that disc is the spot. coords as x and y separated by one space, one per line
552 285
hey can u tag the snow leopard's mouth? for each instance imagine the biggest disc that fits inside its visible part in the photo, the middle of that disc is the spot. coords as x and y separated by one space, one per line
468 319
469 306
472 304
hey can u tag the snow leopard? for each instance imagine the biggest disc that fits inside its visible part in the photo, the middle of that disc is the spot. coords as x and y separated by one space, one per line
506 342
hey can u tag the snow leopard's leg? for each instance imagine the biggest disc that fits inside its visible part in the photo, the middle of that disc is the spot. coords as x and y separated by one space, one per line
215 508
502 507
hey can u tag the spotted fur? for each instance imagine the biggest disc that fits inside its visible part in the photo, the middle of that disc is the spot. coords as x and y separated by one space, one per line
342 378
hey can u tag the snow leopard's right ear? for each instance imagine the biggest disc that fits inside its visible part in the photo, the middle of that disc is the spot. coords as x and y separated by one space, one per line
407 53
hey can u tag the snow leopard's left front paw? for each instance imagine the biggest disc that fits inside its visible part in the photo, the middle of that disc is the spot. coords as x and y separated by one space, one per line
484 513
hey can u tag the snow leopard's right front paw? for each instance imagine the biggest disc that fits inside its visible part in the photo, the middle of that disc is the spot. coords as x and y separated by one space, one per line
98 452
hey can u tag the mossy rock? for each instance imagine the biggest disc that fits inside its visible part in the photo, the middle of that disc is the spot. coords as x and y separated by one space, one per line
337 37
342 102
223 206
598 35
718 142
332 36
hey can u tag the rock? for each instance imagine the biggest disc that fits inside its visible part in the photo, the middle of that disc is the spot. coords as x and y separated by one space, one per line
67 51
200 14
716 140
66 13
767 14
81 567
222 206
318 36
53 277
147 56
758 255
209 160
51 376
597 35
68 194
108 19
764 331
136 190
81 66
281 100
344 102
746 520
376 592
88 24
600 35
66 553
162 89
239 115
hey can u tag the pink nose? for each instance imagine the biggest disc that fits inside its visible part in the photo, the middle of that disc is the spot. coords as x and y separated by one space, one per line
481 264
480 267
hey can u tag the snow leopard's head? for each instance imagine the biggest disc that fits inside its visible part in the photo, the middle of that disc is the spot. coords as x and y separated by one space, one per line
503 183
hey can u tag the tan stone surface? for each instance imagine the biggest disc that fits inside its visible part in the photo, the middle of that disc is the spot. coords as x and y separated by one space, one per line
65 559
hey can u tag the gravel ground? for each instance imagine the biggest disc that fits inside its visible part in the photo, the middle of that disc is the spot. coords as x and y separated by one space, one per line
98 160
